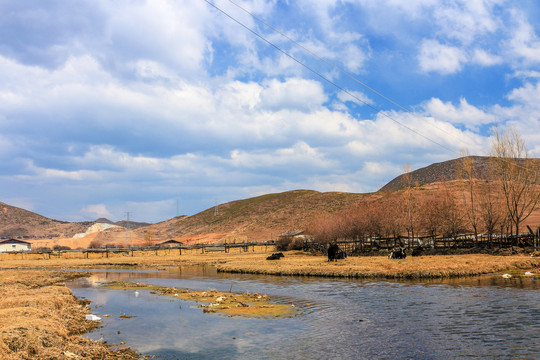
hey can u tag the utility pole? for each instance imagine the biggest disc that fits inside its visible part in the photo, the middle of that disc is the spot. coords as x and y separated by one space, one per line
128 230
216 209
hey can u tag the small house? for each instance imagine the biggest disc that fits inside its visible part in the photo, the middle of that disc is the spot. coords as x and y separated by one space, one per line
14 245
169 243
292 234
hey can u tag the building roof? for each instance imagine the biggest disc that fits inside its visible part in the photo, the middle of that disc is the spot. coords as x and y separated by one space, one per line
170 241
291 233
17 241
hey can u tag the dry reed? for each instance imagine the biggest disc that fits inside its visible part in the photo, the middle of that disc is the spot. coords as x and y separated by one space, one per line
41 319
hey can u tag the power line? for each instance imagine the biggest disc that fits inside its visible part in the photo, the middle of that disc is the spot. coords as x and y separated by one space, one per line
345 73
341 70
328 80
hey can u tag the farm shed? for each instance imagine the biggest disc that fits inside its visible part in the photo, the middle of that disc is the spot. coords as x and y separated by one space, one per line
294 234
14 245
169 243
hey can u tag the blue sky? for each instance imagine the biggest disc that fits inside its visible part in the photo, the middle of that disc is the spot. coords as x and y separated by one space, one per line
115 106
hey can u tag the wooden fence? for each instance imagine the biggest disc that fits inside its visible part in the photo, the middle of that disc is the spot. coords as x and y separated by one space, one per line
138 252
462 241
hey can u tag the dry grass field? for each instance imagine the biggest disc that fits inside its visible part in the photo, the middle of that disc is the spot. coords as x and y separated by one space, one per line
41 319
298 263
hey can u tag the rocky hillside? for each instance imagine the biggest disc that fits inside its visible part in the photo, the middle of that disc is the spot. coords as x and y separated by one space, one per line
258 218
441 172
17 222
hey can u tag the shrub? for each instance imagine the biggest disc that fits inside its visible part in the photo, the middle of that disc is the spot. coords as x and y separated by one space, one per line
282 244
95 244
296 244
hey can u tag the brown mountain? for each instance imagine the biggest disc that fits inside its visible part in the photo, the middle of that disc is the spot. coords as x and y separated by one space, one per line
17 222
441 172
447 171
258 218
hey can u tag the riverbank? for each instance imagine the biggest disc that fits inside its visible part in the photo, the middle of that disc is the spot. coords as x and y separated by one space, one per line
380 267
302 264
41 319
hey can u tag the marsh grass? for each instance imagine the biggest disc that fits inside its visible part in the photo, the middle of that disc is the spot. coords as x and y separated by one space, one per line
228 303
302 264
41 319
381 267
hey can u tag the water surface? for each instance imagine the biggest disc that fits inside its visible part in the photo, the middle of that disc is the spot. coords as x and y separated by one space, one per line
481 318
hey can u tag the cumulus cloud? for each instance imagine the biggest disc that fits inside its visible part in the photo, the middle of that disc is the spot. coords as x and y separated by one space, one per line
137 103
482 57
464 114
436 57
97 211
524 43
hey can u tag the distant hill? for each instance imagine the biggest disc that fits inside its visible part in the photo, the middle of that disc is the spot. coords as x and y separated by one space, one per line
259 218
123 223
442 172
130 224
17 222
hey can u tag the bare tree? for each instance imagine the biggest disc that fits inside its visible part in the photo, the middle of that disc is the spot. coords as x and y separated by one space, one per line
470 193
432 216
491 207
452 213
409 200
518 174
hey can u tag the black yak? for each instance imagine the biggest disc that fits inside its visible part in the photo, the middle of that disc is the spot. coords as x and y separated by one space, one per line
398 253
335 253
275 256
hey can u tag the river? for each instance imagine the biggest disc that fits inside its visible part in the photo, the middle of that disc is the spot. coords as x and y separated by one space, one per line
476 318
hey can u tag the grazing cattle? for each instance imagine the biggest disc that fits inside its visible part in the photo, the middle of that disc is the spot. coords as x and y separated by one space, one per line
341 254
417 251
398 253
275 256
335 253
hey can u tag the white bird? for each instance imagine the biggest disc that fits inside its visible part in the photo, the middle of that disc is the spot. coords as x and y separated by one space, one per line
136 294
507 276
528 273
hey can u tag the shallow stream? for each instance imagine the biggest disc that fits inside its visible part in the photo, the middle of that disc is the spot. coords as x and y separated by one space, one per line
481 318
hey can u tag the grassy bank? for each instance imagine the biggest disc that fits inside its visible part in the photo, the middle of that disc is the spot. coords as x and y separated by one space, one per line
424 267
228 303
41 319
298 263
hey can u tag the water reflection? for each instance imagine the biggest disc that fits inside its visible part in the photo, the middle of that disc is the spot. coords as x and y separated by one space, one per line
486 317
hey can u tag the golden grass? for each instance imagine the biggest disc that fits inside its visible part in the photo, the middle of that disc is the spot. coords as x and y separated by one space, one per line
298 263
41 319
228 303
382 267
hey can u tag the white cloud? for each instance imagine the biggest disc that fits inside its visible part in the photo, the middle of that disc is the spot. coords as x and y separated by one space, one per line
359 97
436 57
465 114
301 155
292 94
97 211
466 20
481 57
524 43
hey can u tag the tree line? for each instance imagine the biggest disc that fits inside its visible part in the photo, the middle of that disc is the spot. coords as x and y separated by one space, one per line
491 206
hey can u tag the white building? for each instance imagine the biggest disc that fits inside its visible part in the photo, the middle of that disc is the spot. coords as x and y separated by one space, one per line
14 245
